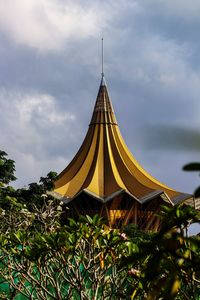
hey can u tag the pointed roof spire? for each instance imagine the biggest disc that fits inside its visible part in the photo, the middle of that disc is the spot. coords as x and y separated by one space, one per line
104 166
103 81
103 112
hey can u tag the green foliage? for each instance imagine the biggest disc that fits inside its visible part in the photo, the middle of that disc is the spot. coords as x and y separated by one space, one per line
36 193
87 260
41 258
47 182
7 168
78 261
27 208
168 264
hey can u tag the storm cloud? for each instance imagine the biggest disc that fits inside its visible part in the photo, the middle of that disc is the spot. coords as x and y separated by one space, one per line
50 65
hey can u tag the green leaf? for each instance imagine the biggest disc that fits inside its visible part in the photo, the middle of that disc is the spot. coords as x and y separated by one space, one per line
89 219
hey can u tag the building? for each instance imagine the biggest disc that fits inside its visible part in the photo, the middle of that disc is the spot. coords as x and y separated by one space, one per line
104 178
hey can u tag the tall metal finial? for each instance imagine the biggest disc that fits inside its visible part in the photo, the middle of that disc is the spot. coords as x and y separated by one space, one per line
102 73
103 82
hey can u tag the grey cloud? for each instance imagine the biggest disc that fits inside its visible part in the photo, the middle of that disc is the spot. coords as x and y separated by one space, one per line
45 25
153 79
174 20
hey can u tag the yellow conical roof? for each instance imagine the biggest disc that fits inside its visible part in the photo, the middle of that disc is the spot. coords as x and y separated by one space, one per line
104 166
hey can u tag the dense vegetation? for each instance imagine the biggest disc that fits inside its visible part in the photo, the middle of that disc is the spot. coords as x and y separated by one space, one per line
42 257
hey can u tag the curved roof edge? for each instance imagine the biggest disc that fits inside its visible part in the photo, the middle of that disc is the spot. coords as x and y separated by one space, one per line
104 168
143 200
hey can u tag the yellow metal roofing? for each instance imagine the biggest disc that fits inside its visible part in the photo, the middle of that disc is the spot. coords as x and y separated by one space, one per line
104 165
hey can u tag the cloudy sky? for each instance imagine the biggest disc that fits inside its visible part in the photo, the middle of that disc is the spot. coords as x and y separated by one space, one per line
50 69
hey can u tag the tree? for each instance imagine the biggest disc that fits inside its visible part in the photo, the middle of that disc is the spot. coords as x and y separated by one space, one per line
78 261
168 264
26 208
7 168
42 258
36 195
